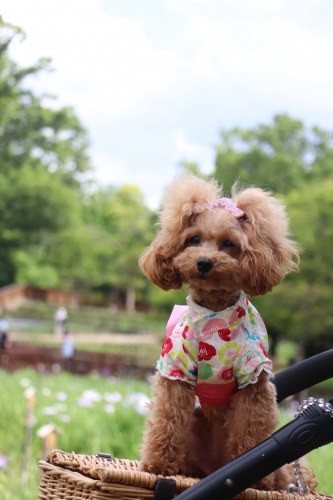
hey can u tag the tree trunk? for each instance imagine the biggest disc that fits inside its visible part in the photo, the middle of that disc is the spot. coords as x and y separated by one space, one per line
75 298
130 299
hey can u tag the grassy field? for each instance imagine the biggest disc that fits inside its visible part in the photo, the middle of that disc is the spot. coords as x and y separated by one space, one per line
85 319
92 414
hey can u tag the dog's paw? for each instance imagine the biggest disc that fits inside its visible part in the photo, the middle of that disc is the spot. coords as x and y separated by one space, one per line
158 469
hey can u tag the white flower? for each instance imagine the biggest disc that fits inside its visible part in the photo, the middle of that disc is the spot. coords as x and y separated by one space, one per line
113 397
60 407
65 418
85 402
141 406
92 394
62 396
49 410
46 391
139 401
25 382
109 408
30 392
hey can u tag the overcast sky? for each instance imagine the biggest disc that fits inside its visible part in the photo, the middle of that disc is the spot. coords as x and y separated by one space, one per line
154 81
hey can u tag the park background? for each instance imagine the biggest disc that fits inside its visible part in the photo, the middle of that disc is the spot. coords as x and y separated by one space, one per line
222 89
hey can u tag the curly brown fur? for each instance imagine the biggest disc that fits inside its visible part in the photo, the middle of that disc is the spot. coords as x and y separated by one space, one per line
177 438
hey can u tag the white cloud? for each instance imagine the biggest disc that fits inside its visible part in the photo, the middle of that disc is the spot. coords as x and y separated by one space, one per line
114 171
259 6
212 7
104 65
182 6
184 147
110 170
144 97
191 151
239 46
274 57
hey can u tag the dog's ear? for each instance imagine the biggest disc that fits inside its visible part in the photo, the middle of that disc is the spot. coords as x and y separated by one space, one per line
157 265
269 251
262 268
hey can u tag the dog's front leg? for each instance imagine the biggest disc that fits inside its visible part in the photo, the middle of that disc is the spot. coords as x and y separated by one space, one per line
253 417
171 413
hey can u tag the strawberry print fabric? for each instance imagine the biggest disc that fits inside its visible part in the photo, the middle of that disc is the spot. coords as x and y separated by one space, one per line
215 352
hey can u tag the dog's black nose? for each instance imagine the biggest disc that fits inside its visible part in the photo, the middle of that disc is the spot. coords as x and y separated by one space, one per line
204 265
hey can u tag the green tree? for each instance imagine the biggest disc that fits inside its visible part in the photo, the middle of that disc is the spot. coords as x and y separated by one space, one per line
122 214
33 205
43 152
280 156
300 307
295 162
52 233
32 133
82 257
311 209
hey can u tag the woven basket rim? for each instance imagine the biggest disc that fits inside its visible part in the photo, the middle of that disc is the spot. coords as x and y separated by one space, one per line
123 471
90 469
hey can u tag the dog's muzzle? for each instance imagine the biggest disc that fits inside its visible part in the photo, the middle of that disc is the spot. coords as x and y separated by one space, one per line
204 265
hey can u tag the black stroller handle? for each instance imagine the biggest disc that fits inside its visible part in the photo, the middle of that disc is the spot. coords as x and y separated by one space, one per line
303 375
312 429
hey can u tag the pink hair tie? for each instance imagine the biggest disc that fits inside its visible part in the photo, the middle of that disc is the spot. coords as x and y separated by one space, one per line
228 204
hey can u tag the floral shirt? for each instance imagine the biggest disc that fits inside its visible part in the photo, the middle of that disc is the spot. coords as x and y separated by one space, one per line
217 352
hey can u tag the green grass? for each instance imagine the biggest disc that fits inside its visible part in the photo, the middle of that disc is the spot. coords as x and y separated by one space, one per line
285 352
88 319
81 429
84 430
141 354
321 462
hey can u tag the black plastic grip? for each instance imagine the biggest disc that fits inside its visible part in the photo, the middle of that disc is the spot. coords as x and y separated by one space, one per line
312 429
303 375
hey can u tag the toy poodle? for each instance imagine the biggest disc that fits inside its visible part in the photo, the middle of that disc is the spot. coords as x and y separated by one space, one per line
213 399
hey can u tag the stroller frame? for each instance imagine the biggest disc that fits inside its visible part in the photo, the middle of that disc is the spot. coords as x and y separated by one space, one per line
312 429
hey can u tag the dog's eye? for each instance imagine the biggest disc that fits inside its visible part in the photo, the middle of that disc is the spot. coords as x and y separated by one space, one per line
195 240
228 244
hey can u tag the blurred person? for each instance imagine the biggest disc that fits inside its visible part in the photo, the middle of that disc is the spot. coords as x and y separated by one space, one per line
67 351
4 339
60 318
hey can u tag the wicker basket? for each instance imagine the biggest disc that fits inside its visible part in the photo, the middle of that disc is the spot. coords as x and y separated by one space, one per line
67 476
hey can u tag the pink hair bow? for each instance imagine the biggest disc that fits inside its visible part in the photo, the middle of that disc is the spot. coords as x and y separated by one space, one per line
228 204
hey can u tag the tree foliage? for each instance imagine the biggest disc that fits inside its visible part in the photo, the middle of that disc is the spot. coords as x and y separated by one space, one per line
34 204
121 212
31 132
42 151
296 163
280 156
52 232
56 233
